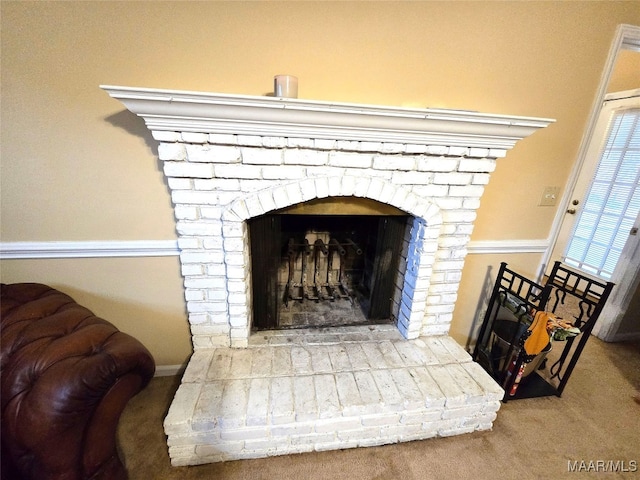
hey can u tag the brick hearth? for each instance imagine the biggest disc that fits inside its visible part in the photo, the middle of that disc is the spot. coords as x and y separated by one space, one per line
229 159
308 390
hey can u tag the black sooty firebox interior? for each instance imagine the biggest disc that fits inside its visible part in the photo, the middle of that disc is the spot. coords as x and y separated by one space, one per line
325 263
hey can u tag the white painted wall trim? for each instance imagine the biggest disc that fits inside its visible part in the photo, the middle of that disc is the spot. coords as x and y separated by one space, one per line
169 370
89 249
167 248
507 246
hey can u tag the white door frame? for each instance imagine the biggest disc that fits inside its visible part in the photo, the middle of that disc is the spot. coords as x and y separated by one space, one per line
626 37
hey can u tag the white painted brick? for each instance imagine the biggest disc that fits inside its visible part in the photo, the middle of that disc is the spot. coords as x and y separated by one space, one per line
375 188
185 169
223 139
233 229
247 433
389 147
172 151
389 162
238 171
324 144
458 151
412 178
308 189
437 164
179 183
415 148
348 185
478 152
325 171
165 136
214 153
452 178
195 198
294 142
191 269
254 185
250 140
274 142
237 299
211 212
480 179
438 150
195 137
185 212
305 157
326 396
466 191
391 397
261 156
281 401
283 172
348 145
208 256
194 295
199 227
351 160
348 394
334 187
360 146
469 204
294 194
477 165
304 394
322 187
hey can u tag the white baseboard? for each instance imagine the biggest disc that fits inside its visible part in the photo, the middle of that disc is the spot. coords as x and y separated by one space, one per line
623 337
169 370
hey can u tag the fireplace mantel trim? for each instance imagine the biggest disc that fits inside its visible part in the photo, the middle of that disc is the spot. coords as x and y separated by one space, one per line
173 110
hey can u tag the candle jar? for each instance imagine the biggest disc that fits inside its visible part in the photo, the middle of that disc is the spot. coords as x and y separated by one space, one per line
285 86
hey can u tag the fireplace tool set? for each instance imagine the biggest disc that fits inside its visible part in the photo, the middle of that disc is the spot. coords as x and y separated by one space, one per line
324 286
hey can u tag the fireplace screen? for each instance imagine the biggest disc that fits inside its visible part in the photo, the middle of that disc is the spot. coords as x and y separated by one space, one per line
324 270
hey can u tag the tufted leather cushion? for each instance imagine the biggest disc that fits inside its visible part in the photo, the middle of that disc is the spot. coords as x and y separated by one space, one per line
66 376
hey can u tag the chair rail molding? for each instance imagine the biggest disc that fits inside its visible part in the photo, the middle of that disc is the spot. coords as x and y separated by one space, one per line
89 249
167 248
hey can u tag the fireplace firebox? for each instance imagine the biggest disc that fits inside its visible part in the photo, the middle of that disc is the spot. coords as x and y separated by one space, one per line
326 269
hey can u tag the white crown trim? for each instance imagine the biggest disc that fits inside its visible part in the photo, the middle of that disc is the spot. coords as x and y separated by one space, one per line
174 110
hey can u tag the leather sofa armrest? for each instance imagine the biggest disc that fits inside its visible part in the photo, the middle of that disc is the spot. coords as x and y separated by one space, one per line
66 377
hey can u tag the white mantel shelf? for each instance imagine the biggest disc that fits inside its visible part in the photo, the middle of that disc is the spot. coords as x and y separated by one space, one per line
173 110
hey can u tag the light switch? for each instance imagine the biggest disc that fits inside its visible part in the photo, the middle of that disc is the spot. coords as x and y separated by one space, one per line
549 197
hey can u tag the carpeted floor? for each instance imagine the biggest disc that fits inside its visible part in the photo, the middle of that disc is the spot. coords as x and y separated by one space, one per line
594 427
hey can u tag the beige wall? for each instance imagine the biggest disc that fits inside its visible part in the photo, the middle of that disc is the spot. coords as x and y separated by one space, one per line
626 72
75 166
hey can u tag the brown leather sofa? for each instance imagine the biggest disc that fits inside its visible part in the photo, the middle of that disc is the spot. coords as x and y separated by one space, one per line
66 377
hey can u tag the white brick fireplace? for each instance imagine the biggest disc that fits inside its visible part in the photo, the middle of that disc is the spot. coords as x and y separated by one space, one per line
229 159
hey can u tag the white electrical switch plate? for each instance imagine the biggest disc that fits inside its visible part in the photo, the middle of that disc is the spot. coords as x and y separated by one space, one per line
549 197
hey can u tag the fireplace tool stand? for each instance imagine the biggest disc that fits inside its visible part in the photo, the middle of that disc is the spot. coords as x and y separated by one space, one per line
515 300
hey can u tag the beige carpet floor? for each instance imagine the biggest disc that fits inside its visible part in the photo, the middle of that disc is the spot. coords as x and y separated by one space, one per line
596 423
